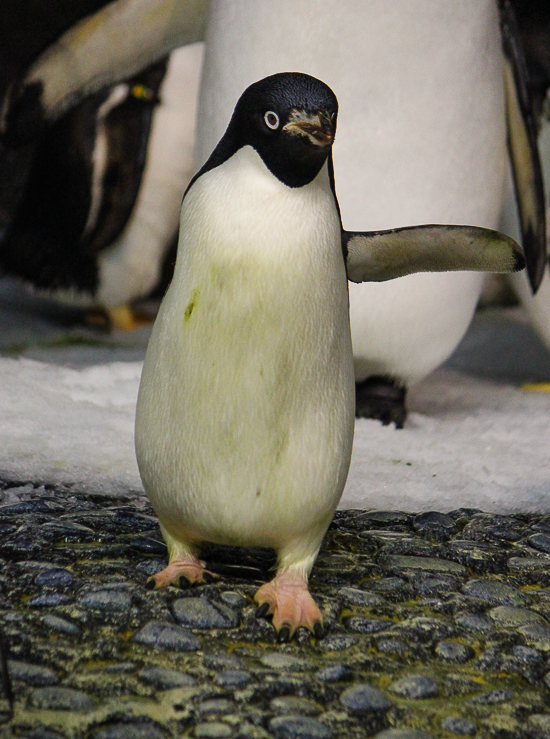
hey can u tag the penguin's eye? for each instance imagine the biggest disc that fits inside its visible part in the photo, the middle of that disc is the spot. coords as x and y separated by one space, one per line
271 120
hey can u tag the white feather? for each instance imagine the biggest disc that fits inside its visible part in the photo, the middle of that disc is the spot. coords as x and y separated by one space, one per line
245 414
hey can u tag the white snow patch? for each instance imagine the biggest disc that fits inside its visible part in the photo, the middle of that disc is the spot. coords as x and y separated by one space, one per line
467 442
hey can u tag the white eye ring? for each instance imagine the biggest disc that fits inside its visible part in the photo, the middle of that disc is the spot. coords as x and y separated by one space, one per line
271 120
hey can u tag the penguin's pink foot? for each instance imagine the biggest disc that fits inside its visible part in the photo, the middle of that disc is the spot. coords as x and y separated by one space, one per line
183 571
288 599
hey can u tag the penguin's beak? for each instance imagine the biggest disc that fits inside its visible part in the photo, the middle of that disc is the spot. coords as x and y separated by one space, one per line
318 127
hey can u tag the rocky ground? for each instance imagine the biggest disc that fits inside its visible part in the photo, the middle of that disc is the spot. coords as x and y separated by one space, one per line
435 626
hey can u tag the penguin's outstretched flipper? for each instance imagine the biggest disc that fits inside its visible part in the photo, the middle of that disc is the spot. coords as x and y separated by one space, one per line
105 47
376 256
523 150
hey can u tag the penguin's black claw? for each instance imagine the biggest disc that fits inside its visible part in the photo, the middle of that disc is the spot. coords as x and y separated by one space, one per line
184 583
262 611
318 630
150 584
381 398
283 635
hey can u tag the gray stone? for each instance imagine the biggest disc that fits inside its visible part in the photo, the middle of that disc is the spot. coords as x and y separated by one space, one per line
362 625
499 695
61 625
199 613
106 601
222 662
295 705
411 565
514 617
48 600
459 725
61 699
540 542
392 646
164 679
128 731
454 651
233 679
475 622
540 722
528 564
120 668
214 730
54 577
538 635
356 597
334 674
298 727
31 674
164 635
495 592
150 567
233 599
337 642
402 734
363 698
217 707
415 687
280 661
434 525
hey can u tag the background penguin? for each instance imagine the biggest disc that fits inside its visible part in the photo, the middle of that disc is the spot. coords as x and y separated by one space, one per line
434 143
245 414
423 139
97 202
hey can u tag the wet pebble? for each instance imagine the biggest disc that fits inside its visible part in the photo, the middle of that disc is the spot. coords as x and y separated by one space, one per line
337 642
54 577
495 593
459 725
499 695
164 679
453 651
48 600
164 635
31 674
129 730
298 727
515 617
402 734
363 625
233 679
416 687
475 622
540 542
213 730
334 674
217 707
295 705
356 597
233 599
61 699
364 698
61 625
107 601
280 661
199 613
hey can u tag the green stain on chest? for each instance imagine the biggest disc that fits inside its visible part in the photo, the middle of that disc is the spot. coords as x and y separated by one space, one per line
191 305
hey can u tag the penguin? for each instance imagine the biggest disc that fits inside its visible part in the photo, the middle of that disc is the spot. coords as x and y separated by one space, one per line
245 412
100 205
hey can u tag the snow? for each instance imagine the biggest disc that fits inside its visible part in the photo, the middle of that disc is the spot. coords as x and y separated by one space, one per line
468 442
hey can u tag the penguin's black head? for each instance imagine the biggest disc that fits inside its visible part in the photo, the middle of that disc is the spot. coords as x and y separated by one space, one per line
290 120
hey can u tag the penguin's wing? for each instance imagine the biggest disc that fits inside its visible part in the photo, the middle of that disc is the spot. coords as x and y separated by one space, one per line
112 44
522 146
376 256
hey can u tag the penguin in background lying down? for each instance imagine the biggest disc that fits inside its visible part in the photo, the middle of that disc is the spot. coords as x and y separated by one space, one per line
245 413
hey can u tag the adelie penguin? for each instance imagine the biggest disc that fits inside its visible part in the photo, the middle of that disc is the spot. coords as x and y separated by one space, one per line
245 414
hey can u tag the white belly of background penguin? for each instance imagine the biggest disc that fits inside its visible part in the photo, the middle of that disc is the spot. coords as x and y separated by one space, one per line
245 413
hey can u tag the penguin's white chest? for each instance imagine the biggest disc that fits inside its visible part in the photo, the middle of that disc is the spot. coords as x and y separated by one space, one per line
246 408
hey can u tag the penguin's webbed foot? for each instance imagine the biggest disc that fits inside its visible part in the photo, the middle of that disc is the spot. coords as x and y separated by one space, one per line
288 600
381 398
183 571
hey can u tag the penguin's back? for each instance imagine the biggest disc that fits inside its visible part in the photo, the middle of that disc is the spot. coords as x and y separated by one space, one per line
245 414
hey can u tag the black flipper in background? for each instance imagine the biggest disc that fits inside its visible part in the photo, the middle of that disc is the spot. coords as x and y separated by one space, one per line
522 146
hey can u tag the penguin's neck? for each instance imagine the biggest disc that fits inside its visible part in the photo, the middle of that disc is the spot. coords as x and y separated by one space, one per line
241 210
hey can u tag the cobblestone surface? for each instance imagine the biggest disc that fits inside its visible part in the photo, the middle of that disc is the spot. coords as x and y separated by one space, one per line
437 626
